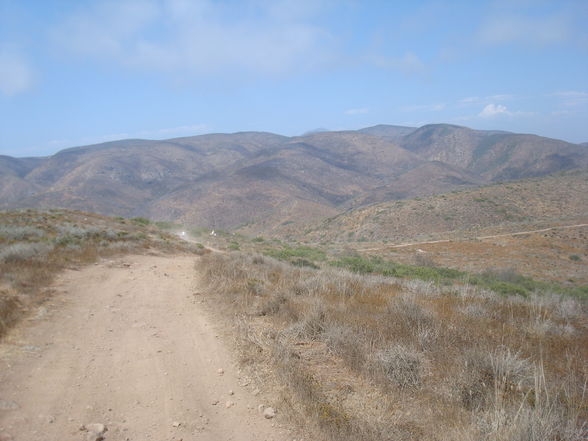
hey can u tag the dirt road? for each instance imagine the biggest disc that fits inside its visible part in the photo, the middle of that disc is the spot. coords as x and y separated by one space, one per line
494 236
126 343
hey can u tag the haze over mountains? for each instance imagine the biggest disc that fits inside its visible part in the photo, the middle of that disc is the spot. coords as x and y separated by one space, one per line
234 180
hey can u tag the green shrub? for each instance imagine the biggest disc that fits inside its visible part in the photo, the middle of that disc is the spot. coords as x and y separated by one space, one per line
506 282
364 265
141 221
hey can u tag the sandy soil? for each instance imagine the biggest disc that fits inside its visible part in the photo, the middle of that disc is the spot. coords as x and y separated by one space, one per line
126 343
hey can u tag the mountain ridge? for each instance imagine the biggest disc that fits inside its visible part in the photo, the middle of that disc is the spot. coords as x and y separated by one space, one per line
228 180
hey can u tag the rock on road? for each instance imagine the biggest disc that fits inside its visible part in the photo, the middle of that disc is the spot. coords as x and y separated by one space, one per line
125 343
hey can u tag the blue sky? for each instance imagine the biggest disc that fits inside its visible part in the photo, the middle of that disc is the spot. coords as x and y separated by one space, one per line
82 72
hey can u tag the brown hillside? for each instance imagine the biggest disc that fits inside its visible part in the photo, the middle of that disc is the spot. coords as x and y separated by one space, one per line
532 200
261 181
494 155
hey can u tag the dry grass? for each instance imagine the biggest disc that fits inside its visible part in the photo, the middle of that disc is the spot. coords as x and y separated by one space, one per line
377 358
36 245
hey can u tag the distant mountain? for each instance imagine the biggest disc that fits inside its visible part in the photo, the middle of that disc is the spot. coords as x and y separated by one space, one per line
13 184
318 130
388 132
494 155
259 181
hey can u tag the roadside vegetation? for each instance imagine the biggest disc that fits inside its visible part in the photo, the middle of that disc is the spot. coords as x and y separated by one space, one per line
35 245
364 349
501 281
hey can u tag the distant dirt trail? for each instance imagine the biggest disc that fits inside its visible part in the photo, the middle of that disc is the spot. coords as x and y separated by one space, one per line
494 236
126 343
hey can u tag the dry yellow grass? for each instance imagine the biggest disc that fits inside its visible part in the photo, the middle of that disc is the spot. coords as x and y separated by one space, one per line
376 358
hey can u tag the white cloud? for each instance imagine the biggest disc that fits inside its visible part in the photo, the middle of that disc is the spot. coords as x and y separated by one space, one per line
199 37
16 75
492 110
359 111
535 31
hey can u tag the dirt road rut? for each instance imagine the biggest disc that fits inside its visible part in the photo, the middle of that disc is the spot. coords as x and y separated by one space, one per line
126 343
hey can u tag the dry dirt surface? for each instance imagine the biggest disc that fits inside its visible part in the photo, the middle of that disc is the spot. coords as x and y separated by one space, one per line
126 343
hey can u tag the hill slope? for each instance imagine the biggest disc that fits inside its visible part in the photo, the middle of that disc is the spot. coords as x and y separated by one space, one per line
494 155
262 180
532 200
388 132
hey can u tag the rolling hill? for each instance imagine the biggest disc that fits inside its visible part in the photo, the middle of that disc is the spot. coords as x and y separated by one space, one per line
260 181
494 155
557 198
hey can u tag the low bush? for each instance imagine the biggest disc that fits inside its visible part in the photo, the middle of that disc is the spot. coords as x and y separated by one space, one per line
289 253
15 232
22 252
367 357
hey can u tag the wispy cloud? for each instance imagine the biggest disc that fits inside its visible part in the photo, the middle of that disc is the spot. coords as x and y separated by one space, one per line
425 107
572 98
198 37
487 99
470 100
527 30
500 97
193 129
358 111
16 75
409 64
163 133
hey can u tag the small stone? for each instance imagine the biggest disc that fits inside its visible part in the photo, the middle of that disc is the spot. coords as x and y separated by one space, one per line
229 404
95 431
231 392
8 405
260 408
214 403
269 412
96 428
220 371
176 424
